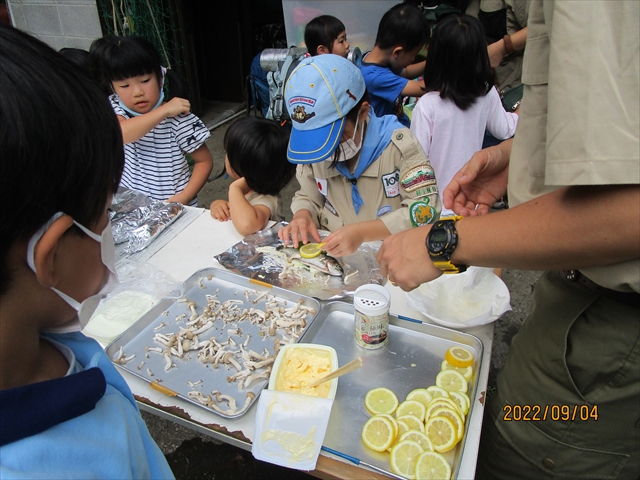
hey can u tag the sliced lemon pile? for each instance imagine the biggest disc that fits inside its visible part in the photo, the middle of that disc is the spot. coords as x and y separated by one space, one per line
459 357
442 433
432 466
451 381
412 422
380 400
461 400
378 433
455 418
436 392
404 457
467 372
419 437
311 250
421 395
411 407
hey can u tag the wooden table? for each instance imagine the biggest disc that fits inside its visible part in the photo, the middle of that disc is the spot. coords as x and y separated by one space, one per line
193 249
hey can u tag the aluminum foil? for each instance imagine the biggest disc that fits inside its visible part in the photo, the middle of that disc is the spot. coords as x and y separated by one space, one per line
137 219
247 259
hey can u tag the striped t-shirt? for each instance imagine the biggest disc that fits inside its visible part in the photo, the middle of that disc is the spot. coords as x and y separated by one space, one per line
155 164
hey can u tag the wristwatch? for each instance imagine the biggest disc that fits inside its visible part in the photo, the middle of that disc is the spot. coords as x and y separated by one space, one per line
441 242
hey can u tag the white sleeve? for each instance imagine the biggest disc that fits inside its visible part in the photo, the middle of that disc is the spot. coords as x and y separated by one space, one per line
422 123
500 123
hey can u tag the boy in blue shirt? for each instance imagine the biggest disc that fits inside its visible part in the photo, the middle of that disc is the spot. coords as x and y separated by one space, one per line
66 412
387 68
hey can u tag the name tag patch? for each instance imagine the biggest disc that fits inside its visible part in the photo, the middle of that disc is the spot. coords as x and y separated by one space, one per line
424 191
322 186
420 176
422 213
391 184
383 210
330 207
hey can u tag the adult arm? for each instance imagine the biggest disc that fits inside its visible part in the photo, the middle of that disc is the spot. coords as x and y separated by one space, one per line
498 50
135 128
201 170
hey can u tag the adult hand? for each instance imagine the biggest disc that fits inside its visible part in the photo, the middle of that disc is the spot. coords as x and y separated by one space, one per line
177 106
405 261
220 210
299 229
344 241
480 182
496 51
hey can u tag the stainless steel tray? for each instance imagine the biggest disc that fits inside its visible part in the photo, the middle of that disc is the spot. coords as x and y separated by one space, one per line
174 382
411 359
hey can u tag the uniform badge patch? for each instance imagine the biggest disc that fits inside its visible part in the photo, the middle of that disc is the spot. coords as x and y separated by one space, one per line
391 184
383 210
322 186
422 213
420 176
330 207
424 191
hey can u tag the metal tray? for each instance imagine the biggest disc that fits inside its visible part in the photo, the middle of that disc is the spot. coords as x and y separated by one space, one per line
174 382
411 359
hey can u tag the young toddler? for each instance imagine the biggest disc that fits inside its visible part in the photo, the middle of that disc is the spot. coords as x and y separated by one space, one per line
388 68
326 34
157 135
66 411
257 162
460 101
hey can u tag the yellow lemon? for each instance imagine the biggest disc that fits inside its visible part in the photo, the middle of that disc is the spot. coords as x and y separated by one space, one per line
453 416
311 250
459 357
394 422
419 437
439 403
467 372
412 422
442 433
421 395
462 400
377 433
436 392
404 457
451 381
432 466
380 400
411 407
403 427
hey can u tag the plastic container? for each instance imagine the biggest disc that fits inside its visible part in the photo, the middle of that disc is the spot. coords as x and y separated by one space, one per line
371 304
360 18
322 350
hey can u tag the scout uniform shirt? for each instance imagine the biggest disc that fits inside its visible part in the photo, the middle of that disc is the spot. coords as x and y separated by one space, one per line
399 188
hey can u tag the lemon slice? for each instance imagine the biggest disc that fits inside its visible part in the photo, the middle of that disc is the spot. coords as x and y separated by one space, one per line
451 381
404 457
419 437
394 422
442 402
432 466
462 401
403 427
466 372
412 422
436 392
453 416
459 357
411 407
380 400
377 433
421 395
442 433
311 250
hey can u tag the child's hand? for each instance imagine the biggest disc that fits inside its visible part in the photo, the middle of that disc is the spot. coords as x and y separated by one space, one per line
177 106
241 183
180 198
299 228
220 210
343 241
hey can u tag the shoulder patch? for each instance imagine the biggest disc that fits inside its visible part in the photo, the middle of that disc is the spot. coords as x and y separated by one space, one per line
391 184
422 213
322 185
383 210
420 176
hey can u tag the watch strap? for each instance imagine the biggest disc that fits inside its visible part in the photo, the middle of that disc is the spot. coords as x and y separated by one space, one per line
508 45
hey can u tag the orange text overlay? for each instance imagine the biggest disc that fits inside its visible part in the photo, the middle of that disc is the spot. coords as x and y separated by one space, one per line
537 413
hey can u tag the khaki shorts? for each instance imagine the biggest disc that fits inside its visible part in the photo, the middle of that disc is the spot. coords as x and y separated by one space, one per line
568 399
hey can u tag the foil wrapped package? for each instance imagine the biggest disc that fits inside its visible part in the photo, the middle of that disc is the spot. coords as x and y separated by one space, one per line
137 219
262 256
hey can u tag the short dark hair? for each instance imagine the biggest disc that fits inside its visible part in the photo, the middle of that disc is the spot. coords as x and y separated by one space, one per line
322 30
61 142
116 58
257 151
79 57
458 63
403 25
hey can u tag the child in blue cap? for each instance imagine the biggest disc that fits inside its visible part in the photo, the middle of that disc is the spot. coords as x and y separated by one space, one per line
362 177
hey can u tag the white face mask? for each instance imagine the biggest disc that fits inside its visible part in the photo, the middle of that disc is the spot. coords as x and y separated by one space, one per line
348 148
88 306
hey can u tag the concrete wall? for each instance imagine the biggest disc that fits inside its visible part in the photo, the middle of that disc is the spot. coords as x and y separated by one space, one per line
59 23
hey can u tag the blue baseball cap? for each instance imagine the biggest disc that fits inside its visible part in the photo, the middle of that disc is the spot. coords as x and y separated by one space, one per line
319 93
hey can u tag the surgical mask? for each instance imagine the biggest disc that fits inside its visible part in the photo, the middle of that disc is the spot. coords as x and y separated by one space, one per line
163 70
348 148
87 307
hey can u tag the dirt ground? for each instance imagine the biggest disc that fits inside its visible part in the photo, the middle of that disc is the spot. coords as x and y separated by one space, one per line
194 456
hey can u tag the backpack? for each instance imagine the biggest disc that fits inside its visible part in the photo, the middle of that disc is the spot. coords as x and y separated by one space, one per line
259 88
277 79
